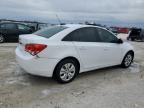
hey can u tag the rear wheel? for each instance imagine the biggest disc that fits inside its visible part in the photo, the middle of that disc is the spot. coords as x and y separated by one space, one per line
66 71
128 59
1 38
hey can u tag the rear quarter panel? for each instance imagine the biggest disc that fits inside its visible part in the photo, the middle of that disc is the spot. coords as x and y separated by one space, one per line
60 50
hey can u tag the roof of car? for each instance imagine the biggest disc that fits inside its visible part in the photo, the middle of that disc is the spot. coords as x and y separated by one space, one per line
11 23
79 26
76 25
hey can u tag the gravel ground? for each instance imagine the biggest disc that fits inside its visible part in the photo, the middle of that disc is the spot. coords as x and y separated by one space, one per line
106 88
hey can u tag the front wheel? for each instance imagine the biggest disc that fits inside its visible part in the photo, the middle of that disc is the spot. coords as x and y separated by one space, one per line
143 39
1 38
128 38
66 71
128 59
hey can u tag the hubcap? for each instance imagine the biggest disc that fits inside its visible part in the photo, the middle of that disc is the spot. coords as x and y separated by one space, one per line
1 38
67 72
128 60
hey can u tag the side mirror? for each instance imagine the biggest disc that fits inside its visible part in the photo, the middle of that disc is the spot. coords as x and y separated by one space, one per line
120 41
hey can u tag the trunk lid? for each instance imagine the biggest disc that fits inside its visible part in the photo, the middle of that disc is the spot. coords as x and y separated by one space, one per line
30 38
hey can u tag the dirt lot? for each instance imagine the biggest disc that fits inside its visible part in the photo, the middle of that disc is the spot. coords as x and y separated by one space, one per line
106 88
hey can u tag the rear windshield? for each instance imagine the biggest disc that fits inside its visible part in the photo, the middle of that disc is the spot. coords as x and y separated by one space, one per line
50 31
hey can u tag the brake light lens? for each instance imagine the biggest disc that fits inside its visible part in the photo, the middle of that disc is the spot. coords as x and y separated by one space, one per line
34 49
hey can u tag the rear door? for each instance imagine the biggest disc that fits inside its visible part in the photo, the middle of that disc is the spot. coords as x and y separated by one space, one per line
23 29
87 43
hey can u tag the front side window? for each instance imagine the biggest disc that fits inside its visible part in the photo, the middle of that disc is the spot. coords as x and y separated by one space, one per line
106 36
10 26
2 26
87 34
48 32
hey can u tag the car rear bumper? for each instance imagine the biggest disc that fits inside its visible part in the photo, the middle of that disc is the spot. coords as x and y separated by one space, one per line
34 65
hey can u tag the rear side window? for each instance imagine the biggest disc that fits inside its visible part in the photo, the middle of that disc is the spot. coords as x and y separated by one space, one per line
23 27
87 34
48 32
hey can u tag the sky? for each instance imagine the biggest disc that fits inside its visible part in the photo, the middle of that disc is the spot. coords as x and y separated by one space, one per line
117 12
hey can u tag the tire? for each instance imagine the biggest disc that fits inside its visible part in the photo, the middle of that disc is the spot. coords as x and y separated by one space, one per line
66 71
132 39
128 59
143 39
2 38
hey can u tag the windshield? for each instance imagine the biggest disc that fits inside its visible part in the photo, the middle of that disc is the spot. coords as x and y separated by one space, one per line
50 31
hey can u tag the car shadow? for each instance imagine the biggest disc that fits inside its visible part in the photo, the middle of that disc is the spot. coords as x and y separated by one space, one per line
40 80
33 79
137 41
101 71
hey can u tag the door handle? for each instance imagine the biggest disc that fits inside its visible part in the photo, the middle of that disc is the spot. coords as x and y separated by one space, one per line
105 49
82 48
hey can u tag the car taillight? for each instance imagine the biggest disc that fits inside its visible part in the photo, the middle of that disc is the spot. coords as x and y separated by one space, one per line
34 49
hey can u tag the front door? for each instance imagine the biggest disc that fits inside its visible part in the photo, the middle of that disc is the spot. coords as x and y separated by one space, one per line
11 31
112 50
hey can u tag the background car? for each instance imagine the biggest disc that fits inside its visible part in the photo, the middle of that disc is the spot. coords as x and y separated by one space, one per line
10 31
136 34
114 30
62 52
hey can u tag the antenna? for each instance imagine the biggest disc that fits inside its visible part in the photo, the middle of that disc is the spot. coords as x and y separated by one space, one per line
58 19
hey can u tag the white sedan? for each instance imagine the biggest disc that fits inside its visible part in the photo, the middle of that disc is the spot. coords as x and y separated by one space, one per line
64 51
